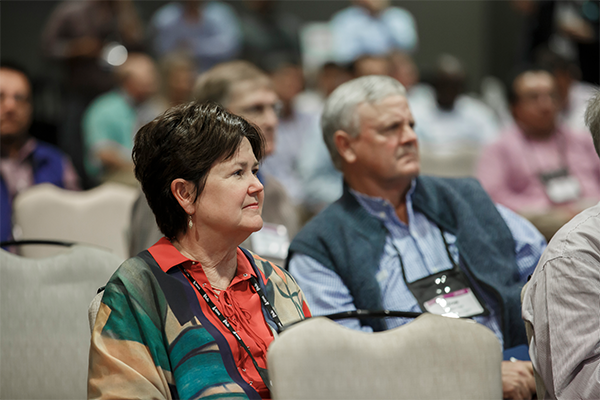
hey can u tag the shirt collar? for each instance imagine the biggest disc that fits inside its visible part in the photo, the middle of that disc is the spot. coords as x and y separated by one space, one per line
168 257
381 208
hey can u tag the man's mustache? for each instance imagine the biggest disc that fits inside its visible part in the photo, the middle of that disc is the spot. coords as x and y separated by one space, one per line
408 150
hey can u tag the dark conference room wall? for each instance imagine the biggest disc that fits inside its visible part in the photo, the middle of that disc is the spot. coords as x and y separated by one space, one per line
486 35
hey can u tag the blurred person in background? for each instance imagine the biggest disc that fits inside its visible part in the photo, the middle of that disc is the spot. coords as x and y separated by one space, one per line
372 27
367 64
294 128
248 92
573 93
177 77
207 30
193 315
24 161
80 35
270 36
320 179
538 168
452 123
109 123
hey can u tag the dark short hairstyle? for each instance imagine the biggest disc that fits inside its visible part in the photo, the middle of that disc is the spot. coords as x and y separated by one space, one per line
515 74
185 142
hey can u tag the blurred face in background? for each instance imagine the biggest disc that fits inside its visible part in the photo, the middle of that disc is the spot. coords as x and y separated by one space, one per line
15 103
373 6
536 103
259 104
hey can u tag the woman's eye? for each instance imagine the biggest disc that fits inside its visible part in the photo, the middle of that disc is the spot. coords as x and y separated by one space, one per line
255 171
239 172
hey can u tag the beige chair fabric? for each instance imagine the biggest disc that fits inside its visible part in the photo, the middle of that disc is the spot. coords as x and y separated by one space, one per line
539 383
99 216
432 357
44 336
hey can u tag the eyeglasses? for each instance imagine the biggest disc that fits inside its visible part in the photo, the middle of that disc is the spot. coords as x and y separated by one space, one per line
18 98
258 110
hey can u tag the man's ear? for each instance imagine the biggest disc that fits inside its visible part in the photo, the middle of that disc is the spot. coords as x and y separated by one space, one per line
343 143
184 194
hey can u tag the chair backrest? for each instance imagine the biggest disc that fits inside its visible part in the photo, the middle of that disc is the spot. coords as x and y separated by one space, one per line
432 357
44 334
99 216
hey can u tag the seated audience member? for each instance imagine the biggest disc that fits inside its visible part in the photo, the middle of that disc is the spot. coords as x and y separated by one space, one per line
78 36
24 161
394 236
110 121
177 77
561 302
294 129
193 315
270 35
405 71
321 181
371 65
573 94
452 122
372 27
539 168
246 91
207 30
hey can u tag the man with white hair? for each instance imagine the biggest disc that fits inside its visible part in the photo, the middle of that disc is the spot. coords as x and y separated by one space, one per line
399 241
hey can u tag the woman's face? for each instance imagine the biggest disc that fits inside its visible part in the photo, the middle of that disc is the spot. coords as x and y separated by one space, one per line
232 200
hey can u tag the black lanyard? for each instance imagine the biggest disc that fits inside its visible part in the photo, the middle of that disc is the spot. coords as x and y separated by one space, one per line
454 265
428 287
261 371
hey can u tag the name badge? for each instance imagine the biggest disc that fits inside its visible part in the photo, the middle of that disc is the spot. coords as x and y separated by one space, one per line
561 187
271 241
461 303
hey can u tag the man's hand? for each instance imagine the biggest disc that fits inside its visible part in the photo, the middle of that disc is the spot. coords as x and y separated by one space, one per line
517 380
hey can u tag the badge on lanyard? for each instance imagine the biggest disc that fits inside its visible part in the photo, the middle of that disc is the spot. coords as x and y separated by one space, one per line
271 241
561 187
447 293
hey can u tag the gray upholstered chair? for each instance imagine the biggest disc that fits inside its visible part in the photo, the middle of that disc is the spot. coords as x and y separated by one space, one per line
98 216
432 357
44 334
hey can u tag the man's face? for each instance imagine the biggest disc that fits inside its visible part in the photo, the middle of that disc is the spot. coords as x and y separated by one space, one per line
536 104
15 103
259 105
386 149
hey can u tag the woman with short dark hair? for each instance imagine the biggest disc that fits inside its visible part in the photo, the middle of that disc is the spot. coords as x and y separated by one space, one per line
193 315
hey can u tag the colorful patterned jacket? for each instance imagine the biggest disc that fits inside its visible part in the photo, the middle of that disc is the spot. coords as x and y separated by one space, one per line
151 339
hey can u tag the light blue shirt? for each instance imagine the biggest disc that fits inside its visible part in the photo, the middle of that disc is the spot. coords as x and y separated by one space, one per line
423 253
214 38
356 32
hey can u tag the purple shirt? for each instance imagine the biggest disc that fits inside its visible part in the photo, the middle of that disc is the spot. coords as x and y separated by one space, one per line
509 168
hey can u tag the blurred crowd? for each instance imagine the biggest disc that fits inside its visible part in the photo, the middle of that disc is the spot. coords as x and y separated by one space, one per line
523 136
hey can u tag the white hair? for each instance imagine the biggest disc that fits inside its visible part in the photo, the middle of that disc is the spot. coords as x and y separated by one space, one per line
592 119
340 113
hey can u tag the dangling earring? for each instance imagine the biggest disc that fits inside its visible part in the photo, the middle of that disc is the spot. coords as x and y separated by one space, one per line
190 223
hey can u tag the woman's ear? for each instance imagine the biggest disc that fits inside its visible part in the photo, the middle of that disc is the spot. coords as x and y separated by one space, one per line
184 193
343 143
